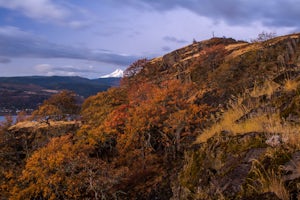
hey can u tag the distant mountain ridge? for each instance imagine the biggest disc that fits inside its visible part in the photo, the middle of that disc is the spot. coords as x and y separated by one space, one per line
29 91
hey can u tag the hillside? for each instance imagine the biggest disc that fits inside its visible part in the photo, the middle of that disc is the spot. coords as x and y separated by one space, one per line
28 92
217 119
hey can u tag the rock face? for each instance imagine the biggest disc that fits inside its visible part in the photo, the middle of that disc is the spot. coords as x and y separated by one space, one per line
32 135
228 167
264 196
292 167
222 165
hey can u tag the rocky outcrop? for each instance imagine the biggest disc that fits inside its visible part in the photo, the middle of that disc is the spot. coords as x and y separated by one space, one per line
221 166
228 167
31 135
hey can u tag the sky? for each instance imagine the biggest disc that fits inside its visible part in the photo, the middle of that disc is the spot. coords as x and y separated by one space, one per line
92 38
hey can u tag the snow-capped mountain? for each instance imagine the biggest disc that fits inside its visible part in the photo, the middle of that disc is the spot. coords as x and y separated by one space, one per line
116 74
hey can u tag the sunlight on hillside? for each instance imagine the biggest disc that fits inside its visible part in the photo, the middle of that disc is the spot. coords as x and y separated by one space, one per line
242 119
240 49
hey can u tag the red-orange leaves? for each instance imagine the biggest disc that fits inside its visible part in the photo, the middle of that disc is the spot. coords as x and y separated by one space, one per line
115 121
166 109
64 170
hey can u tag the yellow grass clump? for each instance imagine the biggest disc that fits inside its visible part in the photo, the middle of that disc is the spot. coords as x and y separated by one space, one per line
259 121
267 88
291 85
268 181
262 122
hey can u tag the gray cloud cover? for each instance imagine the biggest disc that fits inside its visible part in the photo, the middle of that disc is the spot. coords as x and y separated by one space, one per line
4 60
67 70
174 39
285 13
166 48
60 13
74 69
38 9
17 43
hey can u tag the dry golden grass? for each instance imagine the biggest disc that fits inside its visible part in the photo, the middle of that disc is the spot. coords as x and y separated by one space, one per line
291 85
246 47
255 124
35 124
235 46
155 60
275 40
268 181
193 56
267 88
289 132
228 121
260 122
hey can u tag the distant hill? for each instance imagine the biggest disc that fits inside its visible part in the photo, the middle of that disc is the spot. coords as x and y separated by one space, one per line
27 92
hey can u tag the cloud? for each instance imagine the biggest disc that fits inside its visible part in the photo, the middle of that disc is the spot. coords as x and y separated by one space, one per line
67 70
43 67
63 13
70 68
37 9
79 24
166 48
17 43
174 39
278 13
4 60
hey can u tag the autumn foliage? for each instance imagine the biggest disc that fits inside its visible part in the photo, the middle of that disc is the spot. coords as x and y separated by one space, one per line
136 126
128 139
137 141
63 170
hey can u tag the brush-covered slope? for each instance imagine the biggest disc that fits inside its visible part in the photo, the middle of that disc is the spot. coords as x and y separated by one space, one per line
218 119
250 147
224 66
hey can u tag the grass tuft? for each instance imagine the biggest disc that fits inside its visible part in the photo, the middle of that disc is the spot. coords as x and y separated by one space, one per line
291 85
268 181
